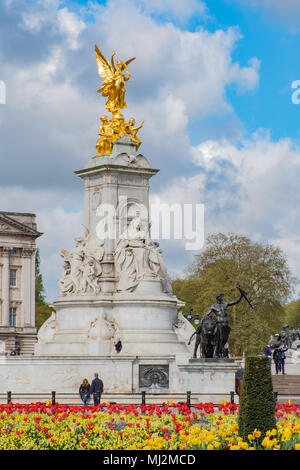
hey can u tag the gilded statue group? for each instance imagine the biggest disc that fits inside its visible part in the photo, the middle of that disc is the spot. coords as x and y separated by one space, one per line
113 87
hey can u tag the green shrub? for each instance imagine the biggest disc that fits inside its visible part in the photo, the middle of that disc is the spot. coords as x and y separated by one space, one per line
257 403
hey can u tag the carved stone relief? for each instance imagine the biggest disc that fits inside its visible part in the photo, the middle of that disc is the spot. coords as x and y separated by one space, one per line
154 376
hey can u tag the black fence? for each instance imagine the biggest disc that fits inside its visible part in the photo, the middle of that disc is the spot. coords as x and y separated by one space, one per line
142 398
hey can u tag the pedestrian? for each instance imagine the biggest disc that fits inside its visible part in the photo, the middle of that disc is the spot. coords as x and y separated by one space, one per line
226 351
118 346
279 358
84 390
96 389
239 380
267 351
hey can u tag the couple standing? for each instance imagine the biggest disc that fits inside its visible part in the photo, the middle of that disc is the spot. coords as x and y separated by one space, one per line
95 389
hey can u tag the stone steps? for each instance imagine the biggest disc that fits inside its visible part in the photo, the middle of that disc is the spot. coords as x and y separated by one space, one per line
287 387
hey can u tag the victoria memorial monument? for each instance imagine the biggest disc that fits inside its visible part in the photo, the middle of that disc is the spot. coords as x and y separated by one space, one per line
114 287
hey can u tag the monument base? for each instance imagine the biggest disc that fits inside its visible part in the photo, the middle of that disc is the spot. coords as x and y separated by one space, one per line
120 374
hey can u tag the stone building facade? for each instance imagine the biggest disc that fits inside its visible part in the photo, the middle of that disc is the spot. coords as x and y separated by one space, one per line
18 234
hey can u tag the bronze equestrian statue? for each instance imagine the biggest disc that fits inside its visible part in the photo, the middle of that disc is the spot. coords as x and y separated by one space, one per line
213 334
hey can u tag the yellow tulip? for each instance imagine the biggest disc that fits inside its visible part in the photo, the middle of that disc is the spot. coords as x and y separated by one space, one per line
265 442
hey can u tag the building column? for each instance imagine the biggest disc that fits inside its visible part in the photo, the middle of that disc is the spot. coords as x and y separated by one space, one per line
5 287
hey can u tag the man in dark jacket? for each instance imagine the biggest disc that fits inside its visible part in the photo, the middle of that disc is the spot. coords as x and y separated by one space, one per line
96 389
279 357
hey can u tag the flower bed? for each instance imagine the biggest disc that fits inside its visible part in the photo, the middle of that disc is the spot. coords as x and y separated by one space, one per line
170 426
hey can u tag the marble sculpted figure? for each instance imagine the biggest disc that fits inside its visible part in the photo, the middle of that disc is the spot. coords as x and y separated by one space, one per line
138 257
103 328
82 267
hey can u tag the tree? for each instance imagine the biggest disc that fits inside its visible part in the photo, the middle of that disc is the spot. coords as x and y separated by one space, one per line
262 271
257 404
292 312
42 309
39 286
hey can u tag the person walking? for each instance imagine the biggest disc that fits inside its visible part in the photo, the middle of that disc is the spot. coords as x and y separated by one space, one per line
96 389
84 390
267 351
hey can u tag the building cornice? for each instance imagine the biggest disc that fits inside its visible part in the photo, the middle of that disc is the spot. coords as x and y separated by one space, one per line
10 226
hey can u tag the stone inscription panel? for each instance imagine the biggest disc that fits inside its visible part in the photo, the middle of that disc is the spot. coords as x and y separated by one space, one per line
153 376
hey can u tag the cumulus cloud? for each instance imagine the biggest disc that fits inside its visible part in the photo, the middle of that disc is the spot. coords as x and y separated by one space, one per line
59 216
249 188
49 126
34 16
70 25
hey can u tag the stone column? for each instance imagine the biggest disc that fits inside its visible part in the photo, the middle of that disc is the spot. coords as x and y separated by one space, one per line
5 287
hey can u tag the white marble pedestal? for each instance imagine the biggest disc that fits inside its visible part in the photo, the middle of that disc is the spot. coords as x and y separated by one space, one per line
120 374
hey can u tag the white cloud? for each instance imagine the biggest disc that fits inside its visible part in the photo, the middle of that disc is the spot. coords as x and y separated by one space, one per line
47 13
49 126
249 188
60 227
71 26
59 217
36 16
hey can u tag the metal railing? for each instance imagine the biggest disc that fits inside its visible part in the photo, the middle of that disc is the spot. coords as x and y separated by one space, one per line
141 398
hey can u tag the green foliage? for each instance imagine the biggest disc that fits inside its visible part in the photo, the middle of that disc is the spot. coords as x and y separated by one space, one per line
42 309
189 290
42 313
39 287
257 403
262 271
292 312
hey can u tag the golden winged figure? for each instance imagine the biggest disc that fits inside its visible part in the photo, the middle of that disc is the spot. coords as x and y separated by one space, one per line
113 86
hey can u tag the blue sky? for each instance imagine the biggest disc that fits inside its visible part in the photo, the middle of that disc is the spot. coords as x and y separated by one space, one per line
272 42
212 80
